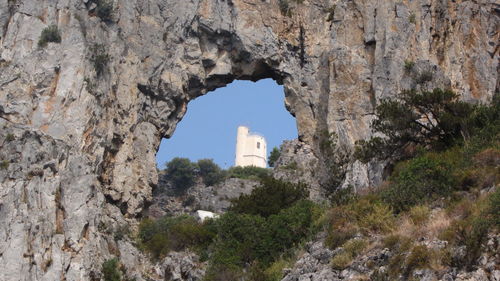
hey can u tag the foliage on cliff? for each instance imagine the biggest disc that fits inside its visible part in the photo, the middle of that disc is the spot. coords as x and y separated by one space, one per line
432 120
455 175
259 230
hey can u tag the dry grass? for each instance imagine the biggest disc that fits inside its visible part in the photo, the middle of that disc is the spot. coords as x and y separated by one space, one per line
437 222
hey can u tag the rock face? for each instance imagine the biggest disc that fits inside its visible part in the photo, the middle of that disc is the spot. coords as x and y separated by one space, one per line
81 120
314 264
198 197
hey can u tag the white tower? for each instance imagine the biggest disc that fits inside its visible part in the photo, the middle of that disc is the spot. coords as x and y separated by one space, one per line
251 149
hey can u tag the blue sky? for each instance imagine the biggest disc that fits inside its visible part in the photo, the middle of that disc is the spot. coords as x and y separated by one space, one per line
208 130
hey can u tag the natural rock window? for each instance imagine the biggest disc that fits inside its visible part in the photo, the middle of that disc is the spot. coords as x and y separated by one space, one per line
208 130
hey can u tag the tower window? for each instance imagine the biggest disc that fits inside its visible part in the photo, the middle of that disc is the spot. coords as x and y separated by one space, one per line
258 145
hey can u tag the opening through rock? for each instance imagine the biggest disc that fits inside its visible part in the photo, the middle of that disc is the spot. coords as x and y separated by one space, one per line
209 128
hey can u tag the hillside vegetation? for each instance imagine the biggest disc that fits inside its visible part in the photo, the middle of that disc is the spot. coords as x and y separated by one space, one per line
443 190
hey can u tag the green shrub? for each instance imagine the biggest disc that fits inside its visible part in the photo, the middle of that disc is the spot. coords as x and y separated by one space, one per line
174 233
273 157
341 261
49 34
418 181
343 196
99 58
104 10
275 271
238 240
409 65
419 214
376 217
210 172
270 197
419 257
182 173
286 229
251 239
355 246
494 208
352 248
4 164
397 243
110 270
10 137
424 76
121 232
248 172
471 230
413 18
341 227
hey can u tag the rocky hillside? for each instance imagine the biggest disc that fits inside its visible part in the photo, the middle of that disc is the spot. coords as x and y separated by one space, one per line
89 87
214 198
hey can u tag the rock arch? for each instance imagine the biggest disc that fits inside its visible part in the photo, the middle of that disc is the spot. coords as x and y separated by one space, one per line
80 147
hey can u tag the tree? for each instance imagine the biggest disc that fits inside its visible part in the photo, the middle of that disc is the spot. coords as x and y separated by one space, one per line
271 196
273 157
210 172
430 119
182 173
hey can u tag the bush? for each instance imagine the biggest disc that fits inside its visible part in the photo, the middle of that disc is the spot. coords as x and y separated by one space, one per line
424 76
471 230
341 227
104 10
248 172
419 257
397 243
4 164
419 214
494 208
374 216
409 65
174 233
245 239
341 261
10 137
270 197
238 240
49 34
273 157
418 181
275 271
210 172
412 18
343 196
110 270
355 246
99 58
182 173
286 229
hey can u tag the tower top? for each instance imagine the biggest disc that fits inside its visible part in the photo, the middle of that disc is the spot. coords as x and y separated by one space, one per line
251 148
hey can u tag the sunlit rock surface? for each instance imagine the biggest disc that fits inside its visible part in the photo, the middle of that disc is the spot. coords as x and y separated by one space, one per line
78 148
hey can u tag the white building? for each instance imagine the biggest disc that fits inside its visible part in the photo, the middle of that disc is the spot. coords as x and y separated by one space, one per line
251 149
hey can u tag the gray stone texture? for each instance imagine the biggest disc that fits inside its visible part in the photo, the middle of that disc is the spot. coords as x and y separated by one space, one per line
78 149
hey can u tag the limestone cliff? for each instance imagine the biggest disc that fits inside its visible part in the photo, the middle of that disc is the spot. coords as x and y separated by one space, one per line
81 120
